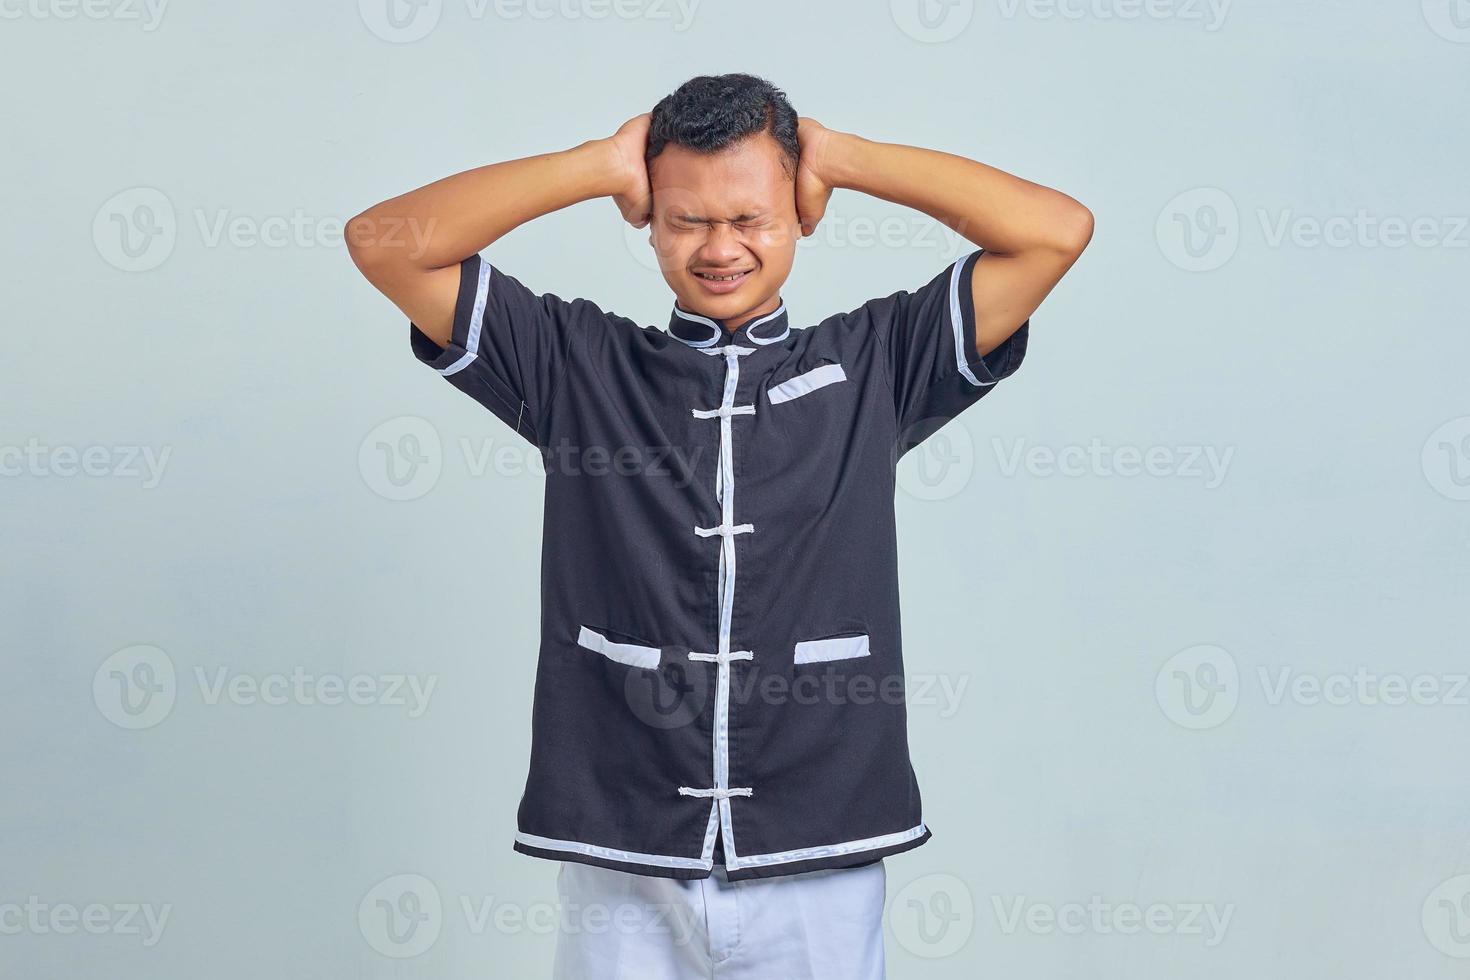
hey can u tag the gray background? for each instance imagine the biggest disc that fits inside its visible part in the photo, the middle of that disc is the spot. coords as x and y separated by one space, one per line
1129 652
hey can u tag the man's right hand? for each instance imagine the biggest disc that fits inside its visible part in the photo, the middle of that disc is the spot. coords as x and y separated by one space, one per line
634 197
441 224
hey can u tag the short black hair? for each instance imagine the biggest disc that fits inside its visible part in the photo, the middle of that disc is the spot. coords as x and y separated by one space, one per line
711 112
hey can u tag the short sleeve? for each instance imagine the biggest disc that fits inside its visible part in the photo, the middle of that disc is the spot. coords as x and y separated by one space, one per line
928 336
509 346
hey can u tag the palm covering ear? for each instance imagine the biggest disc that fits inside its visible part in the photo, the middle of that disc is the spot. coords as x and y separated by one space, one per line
635 200
812 189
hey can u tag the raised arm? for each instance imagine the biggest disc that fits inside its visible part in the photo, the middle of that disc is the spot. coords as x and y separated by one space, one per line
410 246
1031 234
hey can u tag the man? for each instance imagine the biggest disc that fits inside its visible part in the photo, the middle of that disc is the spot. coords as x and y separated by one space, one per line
719 733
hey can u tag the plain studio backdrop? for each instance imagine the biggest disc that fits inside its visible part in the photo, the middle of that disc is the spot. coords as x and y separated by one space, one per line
1183 599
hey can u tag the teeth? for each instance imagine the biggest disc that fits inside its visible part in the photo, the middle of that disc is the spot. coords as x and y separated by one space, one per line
704 275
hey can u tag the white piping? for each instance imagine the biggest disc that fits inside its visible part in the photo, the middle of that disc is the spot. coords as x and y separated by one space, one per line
750 328
956 320
613 854
712 828
807 381
719 330
631 654
832 648
706 863
714 338
477 315
721 792
827 850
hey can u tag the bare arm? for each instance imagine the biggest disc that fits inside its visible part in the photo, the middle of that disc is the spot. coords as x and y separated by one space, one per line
410 246
1031 234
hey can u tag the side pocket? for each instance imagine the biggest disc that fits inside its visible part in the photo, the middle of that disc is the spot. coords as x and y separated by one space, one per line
631 654
832 648
806 382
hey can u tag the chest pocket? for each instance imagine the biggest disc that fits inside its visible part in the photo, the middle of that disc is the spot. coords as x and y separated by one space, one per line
633 654
806 383
848 646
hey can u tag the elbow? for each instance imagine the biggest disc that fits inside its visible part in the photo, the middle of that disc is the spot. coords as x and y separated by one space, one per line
1072 229
359 242
365 246
1069 229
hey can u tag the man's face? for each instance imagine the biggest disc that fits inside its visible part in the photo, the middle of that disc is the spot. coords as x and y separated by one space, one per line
731 213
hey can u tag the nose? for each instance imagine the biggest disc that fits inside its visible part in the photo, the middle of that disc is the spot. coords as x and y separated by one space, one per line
722 245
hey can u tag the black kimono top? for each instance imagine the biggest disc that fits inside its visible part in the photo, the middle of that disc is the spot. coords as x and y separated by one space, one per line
721 661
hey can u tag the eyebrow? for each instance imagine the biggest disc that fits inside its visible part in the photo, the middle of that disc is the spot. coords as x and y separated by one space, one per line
746 216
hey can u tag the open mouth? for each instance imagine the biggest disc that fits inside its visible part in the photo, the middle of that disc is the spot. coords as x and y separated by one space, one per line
728 277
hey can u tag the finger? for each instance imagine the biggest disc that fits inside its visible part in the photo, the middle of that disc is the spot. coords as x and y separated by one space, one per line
814 219
644 205
810 213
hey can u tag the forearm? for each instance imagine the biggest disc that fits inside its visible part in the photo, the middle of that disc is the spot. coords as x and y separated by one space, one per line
997 211
440 224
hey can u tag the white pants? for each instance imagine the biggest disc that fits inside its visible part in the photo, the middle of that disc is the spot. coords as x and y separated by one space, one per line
821 925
